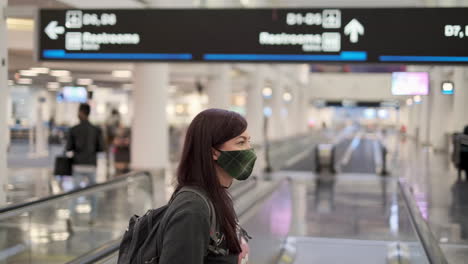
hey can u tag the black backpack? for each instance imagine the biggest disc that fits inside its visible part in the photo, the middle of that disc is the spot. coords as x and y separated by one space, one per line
140 244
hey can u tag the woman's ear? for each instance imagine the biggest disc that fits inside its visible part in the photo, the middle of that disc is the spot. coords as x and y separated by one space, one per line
215 154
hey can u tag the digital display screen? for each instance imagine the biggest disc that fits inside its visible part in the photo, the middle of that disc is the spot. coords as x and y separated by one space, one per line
410 83
382 35
74 94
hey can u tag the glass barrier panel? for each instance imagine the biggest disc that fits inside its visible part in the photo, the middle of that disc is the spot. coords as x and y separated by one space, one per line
72 226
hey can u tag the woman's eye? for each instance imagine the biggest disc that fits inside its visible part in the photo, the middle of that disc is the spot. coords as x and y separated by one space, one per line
241 143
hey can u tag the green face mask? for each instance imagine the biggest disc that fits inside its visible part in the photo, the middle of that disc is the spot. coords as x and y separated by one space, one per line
238 164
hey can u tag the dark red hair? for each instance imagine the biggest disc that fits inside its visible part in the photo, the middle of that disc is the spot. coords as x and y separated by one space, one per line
211 129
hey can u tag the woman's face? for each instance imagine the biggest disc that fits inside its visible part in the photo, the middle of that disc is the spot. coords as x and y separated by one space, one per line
241 142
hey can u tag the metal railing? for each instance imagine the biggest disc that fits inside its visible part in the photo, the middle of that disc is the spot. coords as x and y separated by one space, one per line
99 253
430 244
280 151
20 208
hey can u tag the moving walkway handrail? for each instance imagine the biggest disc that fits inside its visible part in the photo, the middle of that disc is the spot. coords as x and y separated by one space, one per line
99 253
429 243
17 209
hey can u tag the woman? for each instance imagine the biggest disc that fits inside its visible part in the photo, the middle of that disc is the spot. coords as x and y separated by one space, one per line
216 151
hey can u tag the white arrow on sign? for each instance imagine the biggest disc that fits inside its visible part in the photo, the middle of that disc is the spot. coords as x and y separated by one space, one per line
52 30
354 29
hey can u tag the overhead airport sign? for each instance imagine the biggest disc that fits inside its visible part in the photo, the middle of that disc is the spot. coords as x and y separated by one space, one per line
409 35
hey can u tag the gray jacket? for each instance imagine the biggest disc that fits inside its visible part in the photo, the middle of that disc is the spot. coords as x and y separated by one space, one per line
186 233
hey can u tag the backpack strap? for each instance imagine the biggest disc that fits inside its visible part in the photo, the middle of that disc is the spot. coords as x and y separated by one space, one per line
214 234
213 224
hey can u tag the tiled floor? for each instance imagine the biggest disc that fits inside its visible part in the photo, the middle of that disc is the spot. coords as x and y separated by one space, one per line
31 178
359 216
442 199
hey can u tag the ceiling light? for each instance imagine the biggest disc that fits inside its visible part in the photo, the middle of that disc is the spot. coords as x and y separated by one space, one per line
267 92
20 24
53 85
179 109
239 100
123 109
369 113
84 81
409 102
382 113
28 73
40 70
60 73
64 79
267 111
417 99
245 2
122 74
24 81
287 97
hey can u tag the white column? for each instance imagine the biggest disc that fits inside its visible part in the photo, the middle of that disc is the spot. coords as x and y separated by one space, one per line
254 114
277 128
254 105
219 89
9 116
424 121
410 123
149 146
3 101
413 120
303 106
40 131
441 110
291 119
421 112
405 117
312 113
298 110
460 104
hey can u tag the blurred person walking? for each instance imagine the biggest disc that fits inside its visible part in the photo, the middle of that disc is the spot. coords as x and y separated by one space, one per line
84 141
464 157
